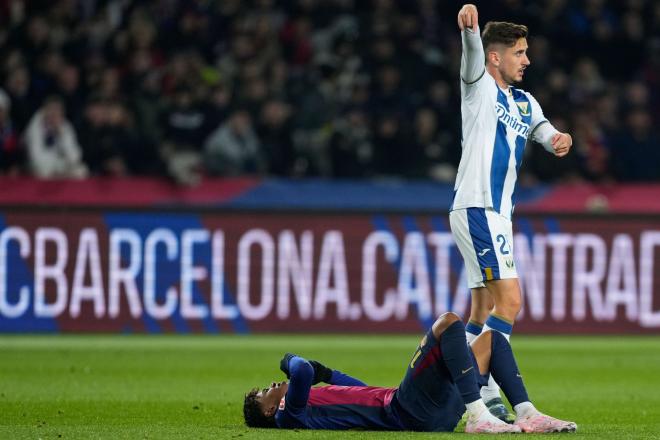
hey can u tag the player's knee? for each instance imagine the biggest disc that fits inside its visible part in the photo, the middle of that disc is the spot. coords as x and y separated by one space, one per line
443 322
512 305
449 317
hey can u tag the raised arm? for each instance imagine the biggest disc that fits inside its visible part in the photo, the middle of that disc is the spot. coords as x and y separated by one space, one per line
301 377
321 373
473 58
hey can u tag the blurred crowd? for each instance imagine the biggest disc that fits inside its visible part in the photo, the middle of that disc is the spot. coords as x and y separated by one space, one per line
297 88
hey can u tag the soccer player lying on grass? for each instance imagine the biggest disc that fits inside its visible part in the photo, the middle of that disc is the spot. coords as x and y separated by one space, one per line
441 383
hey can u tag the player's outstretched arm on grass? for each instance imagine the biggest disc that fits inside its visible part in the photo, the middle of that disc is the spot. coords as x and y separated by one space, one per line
472 59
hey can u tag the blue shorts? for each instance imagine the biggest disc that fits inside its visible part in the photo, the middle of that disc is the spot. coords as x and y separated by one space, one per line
427 399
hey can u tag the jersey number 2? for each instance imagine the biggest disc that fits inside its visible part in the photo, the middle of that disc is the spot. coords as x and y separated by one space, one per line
504 247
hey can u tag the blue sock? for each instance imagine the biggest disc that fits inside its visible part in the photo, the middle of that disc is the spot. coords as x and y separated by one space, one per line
472 330
494 322
505 371
459 363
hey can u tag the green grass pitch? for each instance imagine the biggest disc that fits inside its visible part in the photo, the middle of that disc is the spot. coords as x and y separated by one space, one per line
152 387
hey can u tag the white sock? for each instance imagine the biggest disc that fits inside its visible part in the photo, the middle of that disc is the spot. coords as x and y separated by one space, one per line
472 330
525 409
492 390
507 336
475 409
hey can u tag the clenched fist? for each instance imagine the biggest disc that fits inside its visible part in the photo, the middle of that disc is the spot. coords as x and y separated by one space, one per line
468 17
561 143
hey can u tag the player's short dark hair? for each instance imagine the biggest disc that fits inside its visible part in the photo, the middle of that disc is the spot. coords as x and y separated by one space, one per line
502 32
253 414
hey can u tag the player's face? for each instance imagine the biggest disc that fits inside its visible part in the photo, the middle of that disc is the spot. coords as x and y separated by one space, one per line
514 61
271 396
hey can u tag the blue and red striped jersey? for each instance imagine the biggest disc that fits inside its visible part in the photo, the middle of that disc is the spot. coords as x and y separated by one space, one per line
347 403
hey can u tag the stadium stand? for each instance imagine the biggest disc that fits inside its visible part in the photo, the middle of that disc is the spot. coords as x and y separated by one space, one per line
311 88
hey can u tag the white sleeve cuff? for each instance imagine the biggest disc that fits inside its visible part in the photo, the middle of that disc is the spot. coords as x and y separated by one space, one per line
543 133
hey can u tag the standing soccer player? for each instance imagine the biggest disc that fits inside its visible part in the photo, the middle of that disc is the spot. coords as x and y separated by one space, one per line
497 121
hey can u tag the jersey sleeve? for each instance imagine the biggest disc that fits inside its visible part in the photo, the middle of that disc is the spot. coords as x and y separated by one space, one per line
339 378
537 112
540 128
300 382
473 64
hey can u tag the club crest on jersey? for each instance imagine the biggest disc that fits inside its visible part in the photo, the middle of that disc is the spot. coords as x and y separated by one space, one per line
282 404
524 108
511 121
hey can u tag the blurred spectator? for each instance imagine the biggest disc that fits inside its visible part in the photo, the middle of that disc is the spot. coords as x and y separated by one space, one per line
591 146
184 125
351 146
9 151
234 149
68 87
52 147
275 132
22 98
100 150
391 155
435 157
638 154
111 144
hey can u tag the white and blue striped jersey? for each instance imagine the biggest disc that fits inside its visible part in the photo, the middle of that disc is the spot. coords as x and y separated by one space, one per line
496 124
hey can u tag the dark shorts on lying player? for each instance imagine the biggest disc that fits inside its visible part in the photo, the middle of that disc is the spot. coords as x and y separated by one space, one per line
426 400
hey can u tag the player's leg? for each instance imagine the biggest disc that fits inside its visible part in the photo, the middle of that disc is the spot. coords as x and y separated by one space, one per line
507 299
484 240
493 354
449 330
505 291
441 383
500 275
481 301
480 307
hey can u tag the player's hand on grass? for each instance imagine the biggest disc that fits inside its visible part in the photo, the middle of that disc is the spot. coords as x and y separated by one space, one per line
284 364
561 143
468 17
321 372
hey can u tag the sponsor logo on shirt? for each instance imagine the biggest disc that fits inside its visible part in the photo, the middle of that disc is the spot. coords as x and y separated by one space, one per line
524 108
511 121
